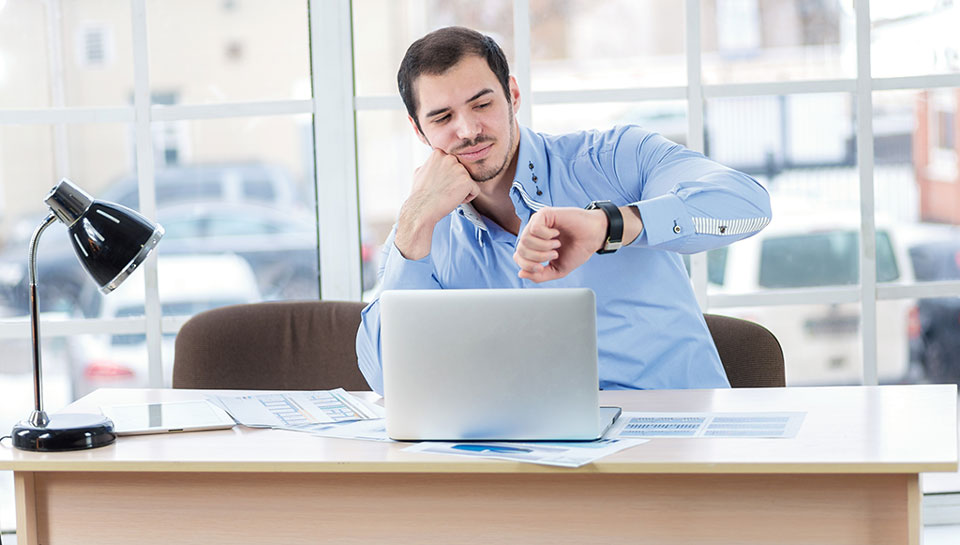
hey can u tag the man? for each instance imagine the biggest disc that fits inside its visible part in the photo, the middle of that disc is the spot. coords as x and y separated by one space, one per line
497 205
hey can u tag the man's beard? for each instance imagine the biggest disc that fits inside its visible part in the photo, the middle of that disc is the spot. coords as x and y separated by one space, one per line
484 175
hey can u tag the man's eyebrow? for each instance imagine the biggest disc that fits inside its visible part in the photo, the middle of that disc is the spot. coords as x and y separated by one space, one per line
439 111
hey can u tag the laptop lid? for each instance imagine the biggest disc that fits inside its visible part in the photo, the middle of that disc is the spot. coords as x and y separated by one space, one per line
490 364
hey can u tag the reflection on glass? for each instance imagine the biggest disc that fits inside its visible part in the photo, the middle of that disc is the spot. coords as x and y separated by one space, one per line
914 38
590 44
776 40
383 29
212 51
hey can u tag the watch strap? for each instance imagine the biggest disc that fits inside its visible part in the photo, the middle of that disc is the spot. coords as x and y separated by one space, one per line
614 238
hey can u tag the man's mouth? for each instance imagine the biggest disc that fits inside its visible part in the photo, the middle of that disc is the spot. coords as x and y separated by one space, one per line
476 153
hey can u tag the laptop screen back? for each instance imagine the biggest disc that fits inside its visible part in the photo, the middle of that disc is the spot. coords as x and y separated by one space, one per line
490 364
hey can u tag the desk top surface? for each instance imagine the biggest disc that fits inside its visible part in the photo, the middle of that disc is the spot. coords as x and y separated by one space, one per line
853 429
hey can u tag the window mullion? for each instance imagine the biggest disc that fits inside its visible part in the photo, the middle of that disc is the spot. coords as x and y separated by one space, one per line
147 194
698 262
868 241
521 65
335 149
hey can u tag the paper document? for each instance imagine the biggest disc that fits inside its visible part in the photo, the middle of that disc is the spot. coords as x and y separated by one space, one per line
647 424
298 410
366 430
563 454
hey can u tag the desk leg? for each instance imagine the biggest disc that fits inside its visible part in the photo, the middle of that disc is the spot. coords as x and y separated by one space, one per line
24 485
914 509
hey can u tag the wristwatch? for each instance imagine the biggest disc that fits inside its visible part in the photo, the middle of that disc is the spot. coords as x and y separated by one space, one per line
614 226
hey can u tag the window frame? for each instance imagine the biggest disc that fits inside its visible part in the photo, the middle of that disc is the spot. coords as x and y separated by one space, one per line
335 107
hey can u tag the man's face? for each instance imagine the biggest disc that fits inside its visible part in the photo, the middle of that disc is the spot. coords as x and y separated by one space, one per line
464 113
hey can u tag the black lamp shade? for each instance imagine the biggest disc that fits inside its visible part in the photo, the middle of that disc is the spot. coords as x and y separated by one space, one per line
110 240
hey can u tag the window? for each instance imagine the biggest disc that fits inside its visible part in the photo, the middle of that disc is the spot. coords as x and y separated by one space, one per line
237 109
820 259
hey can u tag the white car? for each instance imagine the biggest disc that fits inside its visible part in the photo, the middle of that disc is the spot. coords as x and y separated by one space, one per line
821 342
188 284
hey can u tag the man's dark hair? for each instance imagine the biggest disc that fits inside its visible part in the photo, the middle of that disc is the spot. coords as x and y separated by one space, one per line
440 50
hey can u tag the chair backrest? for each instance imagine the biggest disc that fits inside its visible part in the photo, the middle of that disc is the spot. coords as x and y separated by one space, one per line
751 355
297 345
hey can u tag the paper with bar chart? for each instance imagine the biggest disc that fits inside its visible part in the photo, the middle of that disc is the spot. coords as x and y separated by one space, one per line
302 411
721 425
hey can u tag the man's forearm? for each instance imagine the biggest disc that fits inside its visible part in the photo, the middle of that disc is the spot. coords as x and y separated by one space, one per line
414 235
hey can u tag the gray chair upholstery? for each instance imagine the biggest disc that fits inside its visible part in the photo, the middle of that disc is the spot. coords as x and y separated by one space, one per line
297 345
751 355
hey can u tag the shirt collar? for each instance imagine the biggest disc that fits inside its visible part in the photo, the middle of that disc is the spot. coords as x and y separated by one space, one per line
530 187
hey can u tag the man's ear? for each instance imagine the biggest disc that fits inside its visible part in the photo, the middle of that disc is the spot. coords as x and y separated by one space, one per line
515 94
417 131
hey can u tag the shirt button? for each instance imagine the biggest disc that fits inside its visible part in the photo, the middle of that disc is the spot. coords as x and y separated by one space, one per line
676 229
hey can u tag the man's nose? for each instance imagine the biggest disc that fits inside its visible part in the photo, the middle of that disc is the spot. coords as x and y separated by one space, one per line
468 127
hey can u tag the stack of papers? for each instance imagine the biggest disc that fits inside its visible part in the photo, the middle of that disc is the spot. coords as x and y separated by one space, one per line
336 413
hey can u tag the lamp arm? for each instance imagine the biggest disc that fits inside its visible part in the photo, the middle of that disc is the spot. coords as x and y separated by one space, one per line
38 416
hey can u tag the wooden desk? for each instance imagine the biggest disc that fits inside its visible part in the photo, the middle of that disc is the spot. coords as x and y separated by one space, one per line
850 476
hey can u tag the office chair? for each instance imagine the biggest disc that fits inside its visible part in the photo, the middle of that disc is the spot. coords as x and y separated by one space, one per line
296 345
750 354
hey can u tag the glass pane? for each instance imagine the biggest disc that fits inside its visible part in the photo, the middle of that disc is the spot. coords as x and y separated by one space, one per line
917 183
802 148
228 51
934 337
913 38
383 29
669 118
96 155
387 154
776 40
586 44
242 187
115 360
89 56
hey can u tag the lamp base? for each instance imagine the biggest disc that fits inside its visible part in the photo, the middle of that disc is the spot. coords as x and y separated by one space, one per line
64 432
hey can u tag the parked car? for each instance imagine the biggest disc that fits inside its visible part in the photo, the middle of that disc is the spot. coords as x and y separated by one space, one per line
279 244
243 182
821 342
938 344
187 284
60 278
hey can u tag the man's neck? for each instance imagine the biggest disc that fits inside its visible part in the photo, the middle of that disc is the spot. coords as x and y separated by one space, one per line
494 198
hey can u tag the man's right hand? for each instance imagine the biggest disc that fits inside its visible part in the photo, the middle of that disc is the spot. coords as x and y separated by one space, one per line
439 186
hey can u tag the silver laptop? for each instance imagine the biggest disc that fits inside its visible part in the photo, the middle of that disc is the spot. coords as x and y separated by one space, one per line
468 365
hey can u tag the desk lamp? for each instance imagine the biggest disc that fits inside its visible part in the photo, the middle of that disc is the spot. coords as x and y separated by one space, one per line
111 241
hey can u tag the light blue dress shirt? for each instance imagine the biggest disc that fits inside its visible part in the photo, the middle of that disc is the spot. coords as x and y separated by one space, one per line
651 331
